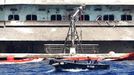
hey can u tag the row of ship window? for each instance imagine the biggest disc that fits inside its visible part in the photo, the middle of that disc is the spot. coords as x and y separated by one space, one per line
81 18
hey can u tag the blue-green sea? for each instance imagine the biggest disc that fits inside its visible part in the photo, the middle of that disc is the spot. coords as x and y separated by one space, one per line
42 68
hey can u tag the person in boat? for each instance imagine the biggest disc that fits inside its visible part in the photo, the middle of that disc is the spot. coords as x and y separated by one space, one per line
91 61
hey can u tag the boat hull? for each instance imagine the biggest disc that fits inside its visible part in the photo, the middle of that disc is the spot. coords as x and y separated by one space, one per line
67 66
63 65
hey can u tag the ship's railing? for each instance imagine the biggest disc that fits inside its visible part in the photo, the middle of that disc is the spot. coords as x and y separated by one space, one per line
66 23
59 48
59 55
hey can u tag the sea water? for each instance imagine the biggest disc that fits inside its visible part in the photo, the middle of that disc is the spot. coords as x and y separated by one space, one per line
42 68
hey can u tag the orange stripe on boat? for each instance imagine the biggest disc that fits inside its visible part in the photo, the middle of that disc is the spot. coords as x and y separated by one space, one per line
81 58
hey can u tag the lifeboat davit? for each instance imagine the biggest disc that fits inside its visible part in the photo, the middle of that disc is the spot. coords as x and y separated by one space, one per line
12 60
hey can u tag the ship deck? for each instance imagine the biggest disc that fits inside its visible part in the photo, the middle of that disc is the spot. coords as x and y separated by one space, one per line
58 55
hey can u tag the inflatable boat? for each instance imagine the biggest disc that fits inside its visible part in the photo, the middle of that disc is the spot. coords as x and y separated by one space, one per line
12 60
128 56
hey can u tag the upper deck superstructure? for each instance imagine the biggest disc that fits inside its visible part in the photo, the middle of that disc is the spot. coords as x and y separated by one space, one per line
27 25
28 20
